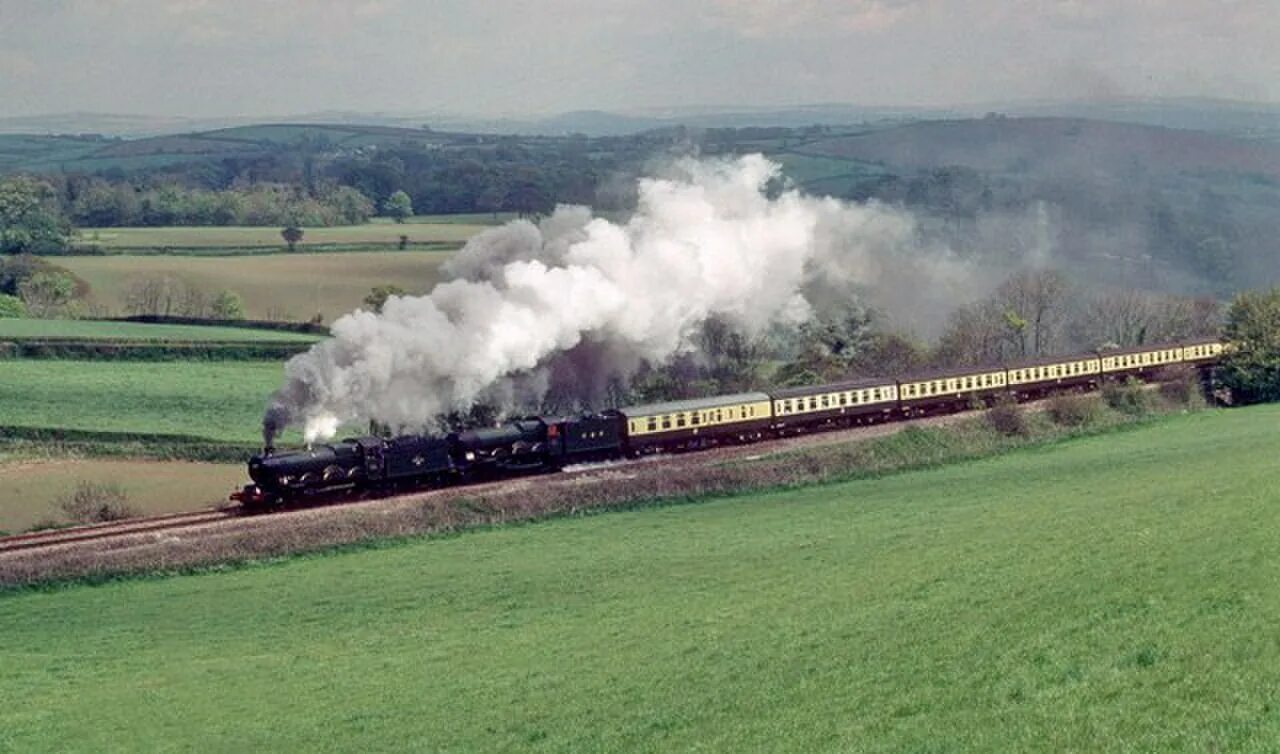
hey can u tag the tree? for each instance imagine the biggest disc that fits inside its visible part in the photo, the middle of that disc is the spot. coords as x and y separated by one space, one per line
11 307
46 294
227 305
1034 307
1250 367
291 234
399 206
166 295
31 221
377 297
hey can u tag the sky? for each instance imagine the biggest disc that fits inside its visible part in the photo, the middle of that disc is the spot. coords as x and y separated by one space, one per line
209 58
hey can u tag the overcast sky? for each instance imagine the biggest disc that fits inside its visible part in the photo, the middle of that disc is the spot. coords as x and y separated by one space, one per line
483 57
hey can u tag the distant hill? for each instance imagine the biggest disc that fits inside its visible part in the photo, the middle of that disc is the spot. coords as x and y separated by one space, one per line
1253 120
1066 146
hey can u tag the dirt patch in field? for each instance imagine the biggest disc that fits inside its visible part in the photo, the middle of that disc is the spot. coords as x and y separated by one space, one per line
30 489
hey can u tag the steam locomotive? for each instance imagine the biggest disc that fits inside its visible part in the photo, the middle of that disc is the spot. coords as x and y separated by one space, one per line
378 465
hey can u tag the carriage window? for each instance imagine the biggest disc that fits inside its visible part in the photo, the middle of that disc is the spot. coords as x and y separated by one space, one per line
679 420
653 423
666 422
826 402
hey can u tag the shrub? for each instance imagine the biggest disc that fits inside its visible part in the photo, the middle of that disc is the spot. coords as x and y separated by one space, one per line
1006 417
12 306
96 502
1127 397
227 305
1073 410
1180 386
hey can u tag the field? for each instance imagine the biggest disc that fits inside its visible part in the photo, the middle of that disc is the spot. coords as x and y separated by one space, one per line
225 238
220 401
30 489
1114 593
276 286
102 330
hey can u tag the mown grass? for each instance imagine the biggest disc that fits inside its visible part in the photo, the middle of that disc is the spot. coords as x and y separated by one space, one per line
220 401
1113 593
109 330
290 287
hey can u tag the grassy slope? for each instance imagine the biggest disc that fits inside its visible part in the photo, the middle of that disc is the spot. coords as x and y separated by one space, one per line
213 400
101 330
1115 593
277 286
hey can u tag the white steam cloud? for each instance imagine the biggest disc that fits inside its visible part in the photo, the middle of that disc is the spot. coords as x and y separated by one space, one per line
708 242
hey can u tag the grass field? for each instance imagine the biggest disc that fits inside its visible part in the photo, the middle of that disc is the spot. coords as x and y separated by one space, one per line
277 286
1114 593
30 489
244 237
103 330
212 400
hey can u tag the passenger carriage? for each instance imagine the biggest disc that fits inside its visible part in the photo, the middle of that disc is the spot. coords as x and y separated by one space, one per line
950 389
1036 377
796 409
682 425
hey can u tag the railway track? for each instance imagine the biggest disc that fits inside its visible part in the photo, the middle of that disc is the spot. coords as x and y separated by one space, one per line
151 524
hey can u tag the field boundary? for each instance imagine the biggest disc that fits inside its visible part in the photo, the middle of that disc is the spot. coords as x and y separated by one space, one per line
102 349
108 444
241 250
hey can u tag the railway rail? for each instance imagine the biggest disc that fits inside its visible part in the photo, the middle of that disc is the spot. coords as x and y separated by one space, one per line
112 529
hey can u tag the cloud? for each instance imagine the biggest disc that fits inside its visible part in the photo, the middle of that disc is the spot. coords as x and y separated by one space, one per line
258 57
767 18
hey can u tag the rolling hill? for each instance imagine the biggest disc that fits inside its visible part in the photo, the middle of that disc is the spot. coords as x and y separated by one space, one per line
1061 145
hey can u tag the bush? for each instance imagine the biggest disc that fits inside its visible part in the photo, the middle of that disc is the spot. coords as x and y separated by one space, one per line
96 502
12 307
1180 386
1006 417
1073 410
227 305
1127 397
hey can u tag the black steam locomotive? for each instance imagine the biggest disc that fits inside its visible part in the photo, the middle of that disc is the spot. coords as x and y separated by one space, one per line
382 466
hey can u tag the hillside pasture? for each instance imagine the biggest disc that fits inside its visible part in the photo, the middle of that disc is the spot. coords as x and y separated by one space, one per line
30 489
1113 593
291 287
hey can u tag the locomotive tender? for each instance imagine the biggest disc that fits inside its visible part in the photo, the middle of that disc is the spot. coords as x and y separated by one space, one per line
531 444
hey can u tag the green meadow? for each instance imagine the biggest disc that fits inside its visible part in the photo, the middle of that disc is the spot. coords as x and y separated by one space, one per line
213 400
1110 593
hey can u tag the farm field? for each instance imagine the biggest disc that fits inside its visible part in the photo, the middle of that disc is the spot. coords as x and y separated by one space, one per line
1114 593
221 401
30 489
107 330
248 237
276 286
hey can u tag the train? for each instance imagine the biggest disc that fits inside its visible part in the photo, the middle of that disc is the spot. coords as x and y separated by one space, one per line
379 465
